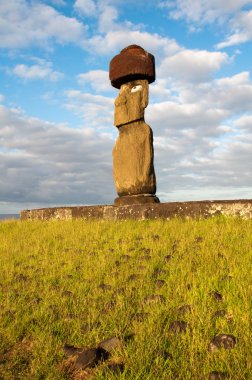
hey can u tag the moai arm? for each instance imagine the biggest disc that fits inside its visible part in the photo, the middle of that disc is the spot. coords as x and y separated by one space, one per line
131 71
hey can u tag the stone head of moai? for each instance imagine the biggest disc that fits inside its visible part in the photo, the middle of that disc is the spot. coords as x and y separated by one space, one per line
131 71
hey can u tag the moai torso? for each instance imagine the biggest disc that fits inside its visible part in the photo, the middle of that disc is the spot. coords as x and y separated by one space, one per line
133 154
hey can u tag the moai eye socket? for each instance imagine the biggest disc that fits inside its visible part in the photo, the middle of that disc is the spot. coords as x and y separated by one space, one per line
137 88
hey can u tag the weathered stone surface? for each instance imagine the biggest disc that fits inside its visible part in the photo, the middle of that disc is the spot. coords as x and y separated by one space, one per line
133 62
154 298
70 350
133 160
111 344
132 71
131 102
87 358
197 209
215 375
178 327
136 200
226 341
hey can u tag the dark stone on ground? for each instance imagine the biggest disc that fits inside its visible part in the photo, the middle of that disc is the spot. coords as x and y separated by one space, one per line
69 317
220 313
139 317
105 287
199 239
226 341
67 293
125 257
71 350
141 267
89 358
160 283
145 250
215 375
110 345
178 327
145 257
21 277
154 298
109 306
167 355
168 258
216 295
227 278
129 337
184 309
133 277
158 271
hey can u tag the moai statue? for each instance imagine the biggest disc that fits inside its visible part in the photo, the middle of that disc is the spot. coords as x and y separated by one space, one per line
131 71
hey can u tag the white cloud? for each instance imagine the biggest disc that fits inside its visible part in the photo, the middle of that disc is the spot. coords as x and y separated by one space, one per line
202 11
96 111
44 163
192 65
98 80
86 7
23 24
1 98
234 13
43 70
114 41
241 27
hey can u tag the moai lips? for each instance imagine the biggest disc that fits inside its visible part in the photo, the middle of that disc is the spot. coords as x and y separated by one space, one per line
132 71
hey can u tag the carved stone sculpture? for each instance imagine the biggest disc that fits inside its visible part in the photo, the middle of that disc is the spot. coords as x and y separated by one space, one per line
131 71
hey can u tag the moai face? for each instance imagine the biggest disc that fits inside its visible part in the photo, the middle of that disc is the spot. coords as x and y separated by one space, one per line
131 102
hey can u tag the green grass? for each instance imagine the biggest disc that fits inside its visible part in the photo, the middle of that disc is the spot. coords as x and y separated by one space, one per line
41 262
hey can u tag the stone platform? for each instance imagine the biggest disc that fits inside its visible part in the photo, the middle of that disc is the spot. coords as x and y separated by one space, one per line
197 209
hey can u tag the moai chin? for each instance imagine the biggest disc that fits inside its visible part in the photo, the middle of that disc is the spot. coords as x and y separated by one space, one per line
131 71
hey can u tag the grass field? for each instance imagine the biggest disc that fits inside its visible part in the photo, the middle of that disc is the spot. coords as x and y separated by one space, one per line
164 288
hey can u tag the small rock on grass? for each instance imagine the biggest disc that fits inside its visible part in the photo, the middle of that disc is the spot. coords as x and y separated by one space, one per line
71 350
220 313
154 298
126 257
110 345
67 293
89 358
226 341
139 317
216 295
184 309
133 277
160 283
215 375
105 287
158 271
178 327
168 258
145 257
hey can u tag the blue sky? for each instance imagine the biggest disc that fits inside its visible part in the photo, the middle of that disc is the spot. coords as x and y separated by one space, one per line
56 101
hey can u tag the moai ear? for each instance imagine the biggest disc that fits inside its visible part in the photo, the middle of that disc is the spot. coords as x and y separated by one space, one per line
145 93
